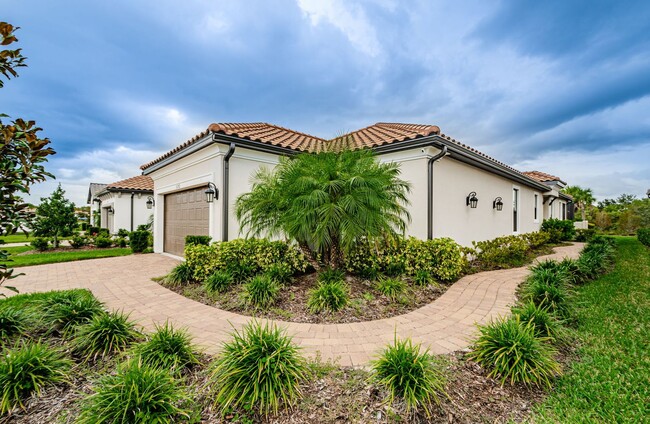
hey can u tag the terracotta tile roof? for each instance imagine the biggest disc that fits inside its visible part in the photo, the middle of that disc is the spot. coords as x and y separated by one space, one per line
140 182
384 133
542 177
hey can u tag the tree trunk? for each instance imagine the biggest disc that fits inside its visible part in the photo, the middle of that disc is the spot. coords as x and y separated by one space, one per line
55 241
309 255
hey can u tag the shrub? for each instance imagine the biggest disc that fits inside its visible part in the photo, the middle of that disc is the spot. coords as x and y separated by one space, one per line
544 323
240 271
139 241
511 352
392 288
77 242
558 229
330 275
280 273
202 240
105 334
104 232
501 252
260 292
121 242
26 369
13 321
259 369
65 310
93 231
180 274
546 293
218 282
39 243
572 270
553 274
583 235
103 242
422 278
536 239
643 235
137 393
168 349
330 295
409 374
122 233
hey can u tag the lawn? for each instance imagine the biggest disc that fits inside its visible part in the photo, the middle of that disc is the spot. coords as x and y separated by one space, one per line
609 381
16 238
54 257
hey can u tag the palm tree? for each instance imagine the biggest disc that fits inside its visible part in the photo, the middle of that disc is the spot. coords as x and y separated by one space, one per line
583 198
326 201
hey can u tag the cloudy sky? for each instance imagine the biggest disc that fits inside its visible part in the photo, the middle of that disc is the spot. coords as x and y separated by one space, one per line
558 86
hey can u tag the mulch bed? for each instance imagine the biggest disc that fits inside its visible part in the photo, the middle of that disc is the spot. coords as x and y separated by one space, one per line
365 303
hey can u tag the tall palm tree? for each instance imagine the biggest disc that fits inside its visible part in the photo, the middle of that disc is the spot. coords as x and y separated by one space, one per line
583 198
326 201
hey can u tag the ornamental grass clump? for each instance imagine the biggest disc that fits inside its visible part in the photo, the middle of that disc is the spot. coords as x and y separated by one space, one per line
260 292
422 277
280 273
329 275
182 273
392 288
409 374
104 335
28 368
547 294
509 349
137 393
260 369
218 282
331 296
168 348
65 310
544 322
13 322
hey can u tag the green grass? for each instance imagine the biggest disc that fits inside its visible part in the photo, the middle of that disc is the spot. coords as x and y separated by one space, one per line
609 383
16 238
56 257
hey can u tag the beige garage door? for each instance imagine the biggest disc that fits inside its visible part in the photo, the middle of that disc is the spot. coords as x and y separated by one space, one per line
186 213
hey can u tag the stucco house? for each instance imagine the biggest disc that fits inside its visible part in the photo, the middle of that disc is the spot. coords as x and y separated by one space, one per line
457 191
122 204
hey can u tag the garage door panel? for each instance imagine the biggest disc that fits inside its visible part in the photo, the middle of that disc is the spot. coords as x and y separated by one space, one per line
186 213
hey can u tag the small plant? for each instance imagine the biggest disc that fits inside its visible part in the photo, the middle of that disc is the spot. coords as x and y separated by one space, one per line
259 369
122 233
260 292
546 295
509 349
182 273
26 369
280 273
544 323
201 240
218 282
137 393
572 271
103 242
241 271
39 243
329 275
121 242
331 296
369 273
410 374
65 310
12 322
168 349
392 288
105 334
139 240
554 276
422 277
77 242
395 269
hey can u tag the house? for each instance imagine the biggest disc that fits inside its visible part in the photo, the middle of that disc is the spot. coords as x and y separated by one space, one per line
556 203
457 191
123 204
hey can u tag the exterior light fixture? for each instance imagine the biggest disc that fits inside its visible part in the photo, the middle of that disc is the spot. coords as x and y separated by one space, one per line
498 204
110 210
472 200
211 193
648 193
150 202
96 199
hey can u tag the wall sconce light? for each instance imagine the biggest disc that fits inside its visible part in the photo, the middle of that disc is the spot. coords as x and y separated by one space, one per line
150 202
96 199
498 204
211 193
472 200
110 210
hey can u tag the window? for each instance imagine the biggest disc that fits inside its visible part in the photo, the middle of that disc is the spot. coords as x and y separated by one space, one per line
563 211
535 208
515 206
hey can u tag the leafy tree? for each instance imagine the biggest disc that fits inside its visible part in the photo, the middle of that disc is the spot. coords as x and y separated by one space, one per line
326 201
22 154
55 217
583 198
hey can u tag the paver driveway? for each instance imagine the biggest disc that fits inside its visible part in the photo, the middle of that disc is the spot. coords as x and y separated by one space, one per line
444 326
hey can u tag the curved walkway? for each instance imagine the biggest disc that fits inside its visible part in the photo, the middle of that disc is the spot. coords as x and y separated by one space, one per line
444 325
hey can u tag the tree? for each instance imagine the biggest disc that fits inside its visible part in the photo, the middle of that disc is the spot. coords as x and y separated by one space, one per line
326 202
22 154
583 198
55 217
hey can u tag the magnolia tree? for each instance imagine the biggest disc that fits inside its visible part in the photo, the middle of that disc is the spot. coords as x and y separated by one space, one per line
55 217
326 202
22 155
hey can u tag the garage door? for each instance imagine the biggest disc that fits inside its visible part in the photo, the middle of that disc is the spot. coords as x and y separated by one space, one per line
186 213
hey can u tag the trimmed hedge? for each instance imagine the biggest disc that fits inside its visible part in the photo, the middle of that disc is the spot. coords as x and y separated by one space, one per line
204 240
507 251
643 234
139 241
558 229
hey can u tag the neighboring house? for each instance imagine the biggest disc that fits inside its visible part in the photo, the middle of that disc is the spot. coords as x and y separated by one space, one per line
122 204
556 204
93 190
456 191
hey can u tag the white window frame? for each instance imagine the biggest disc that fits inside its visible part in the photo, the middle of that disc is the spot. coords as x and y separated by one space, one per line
518 209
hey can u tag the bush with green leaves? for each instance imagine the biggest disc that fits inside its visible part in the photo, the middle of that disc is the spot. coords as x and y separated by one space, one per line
558 229
643 235
392 288
121 242
501 252
168 348
260 369
409 374
330 275
39 243
583 235
139 240
202 240
544 322
65 310
536 239
123 233
422 277
26 369
13 321
547 292
103 242
104 335
240 271
180 274
260 292
510 350
218 282
136 393
280 273
77 242
328 296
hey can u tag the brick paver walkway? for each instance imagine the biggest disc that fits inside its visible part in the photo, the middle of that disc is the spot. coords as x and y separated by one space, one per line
444 326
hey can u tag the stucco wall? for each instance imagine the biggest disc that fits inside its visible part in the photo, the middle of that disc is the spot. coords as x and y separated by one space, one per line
121 204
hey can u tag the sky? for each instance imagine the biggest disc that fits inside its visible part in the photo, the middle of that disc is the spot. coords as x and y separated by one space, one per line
557 86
